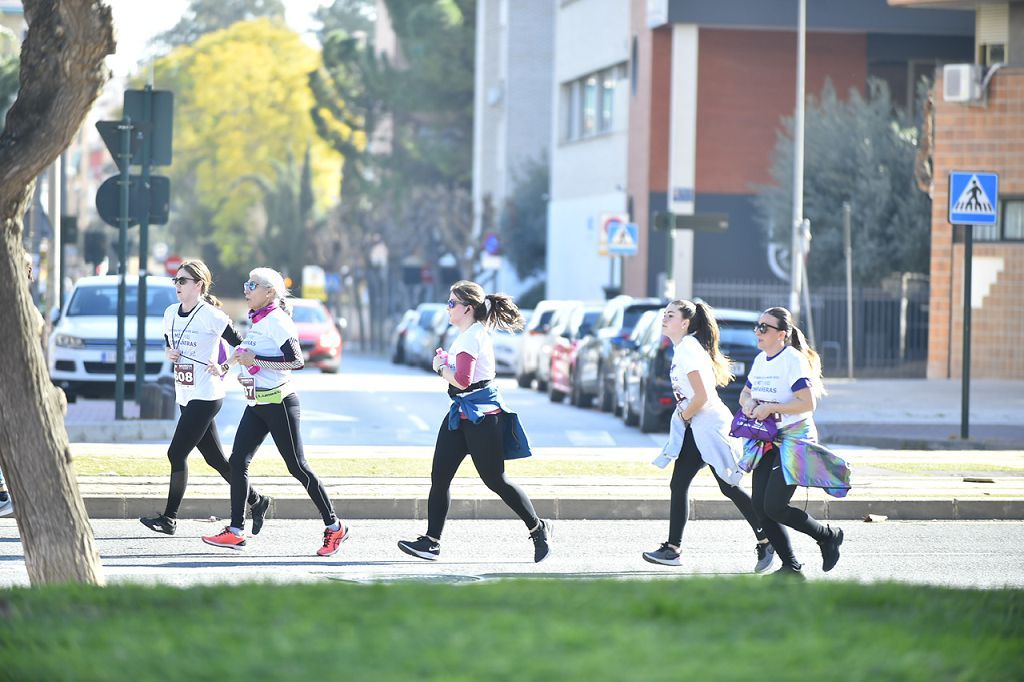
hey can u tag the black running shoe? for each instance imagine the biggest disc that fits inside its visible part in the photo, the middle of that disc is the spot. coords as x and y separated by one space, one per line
542 541
422 547
830 548
160 524
259 512
790 571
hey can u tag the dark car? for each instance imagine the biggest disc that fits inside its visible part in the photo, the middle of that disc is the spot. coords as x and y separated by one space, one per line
650 400
625 359
568 333
595 361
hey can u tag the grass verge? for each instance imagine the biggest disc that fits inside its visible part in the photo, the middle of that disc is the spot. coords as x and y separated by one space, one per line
725 628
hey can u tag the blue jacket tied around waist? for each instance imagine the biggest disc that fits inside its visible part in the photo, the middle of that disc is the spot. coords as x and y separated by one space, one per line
516 444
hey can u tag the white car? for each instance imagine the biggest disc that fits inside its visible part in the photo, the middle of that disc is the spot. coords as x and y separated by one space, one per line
83 345
506 348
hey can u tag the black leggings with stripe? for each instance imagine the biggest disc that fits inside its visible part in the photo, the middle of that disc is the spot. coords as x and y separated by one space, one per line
281 421
196 429
484 442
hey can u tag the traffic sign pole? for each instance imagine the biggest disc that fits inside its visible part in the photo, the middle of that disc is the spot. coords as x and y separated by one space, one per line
124 157
965 378
140 317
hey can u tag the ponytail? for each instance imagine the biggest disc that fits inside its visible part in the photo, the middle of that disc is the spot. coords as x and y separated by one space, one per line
493 310
799 341
212 300
284 305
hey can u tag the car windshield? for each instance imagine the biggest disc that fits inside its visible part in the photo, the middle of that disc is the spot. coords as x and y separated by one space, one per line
632 315
308 314
101 299
736 334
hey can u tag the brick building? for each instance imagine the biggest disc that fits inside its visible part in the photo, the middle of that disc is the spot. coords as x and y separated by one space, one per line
982 135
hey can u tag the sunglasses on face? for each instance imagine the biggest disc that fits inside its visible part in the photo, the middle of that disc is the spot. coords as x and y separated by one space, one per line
452 303
180 281
251 285
762 328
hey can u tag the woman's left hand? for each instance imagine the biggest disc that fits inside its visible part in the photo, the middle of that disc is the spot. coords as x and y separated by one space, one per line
246 358
763 411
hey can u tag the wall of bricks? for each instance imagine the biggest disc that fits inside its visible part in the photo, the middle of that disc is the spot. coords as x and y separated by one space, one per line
985 138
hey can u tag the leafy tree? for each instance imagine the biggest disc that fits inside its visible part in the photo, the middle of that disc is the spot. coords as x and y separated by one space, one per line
9 66
208 16
243 102
62 72
859 151
349 16
524 219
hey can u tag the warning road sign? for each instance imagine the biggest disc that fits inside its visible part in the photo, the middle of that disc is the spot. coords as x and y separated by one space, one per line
623 239
973 198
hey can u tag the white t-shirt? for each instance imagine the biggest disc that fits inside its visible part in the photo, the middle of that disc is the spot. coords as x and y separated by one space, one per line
772 380
265 339
197 337
476 341
689 356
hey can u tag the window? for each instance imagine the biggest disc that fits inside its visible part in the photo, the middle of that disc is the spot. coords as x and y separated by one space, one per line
1009 225
590 103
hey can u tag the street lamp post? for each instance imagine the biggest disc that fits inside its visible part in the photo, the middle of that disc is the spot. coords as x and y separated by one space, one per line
796 249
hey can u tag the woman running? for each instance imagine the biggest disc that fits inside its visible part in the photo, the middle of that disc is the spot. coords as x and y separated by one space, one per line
194 329
700 427
784 384
478 423
268 354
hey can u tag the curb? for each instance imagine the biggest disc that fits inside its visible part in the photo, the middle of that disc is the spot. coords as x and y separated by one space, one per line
127 431
128 507
898 443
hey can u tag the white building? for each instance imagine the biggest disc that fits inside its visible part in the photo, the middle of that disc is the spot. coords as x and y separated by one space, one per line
512 108
588 143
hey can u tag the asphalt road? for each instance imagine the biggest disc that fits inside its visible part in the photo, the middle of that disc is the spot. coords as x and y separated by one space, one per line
961 554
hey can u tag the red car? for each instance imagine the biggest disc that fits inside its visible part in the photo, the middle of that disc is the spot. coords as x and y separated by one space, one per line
319 334
568 329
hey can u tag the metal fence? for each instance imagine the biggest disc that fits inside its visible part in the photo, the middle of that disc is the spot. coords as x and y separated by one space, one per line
890 323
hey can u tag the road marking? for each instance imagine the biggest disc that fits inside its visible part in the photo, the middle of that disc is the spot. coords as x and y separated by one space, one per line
418 422
590 438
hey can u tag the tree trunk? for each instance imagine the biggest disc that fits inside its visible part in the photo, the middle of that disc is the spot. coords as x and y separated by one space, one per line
62 72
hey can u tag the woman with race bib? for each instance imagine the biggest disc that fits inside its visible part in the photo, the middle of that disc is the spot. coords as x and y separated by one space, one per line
195 330
478 423
784 385
267 355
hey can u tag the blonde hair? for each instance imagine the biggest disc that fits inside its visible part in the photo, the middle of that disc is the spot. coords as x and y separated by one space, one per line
201 273
272 279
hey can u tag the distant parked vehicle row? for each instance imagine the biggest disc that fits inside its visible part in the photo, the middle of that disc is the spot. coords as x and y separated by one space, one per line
609 354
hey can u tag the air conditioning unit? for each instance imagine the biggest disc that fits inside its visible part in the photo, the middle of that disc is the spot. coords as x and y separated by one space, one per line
961 82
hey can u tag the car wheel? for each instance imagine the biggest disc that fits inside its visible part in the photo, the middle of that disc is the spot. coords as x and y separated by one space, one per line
649 421
604 396
524 380
628 416
554 395
329 369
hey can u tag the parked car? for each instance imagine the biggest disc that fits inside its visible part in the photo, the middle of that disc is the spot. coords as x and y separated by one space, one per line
506 348
548 341
421 340
566 337
596 357
319 334
398 336
83 344
537 327
628 356
650 398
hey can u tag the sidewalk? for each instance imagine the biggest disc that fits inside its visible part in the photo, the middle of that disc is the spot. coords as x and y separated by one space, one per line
956 485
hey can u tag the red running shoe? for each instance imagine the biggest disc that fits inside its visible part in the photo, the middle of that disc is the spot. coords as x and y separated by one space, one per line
333 540
225 539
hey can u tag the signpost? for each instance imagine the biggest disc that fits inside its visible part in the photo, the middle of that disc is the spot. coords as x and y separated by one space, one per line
142 137
973 198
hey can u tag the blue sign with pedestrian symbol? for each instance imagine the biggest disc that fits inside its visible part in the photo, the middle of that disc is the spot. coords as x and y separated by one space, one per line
623 239
973 198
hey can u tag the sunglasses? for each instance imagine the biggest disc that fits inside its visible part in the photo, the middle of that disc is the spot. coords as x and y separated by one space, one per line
251 285
452 303
762 328
180 281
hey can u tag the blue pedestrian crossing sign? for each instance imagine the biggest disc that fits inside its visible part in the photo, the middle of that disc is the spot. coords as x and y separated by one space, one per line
973 198
623 238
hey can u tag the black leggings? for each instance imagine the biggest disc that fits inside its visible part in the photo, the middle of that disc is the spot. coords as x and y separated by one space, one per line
483 442
281 421
686 467
196 429
771 501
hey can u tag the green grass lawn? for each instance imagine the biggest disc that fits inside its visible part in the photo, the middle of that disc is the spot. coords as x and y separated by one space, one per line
686 629
400 467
